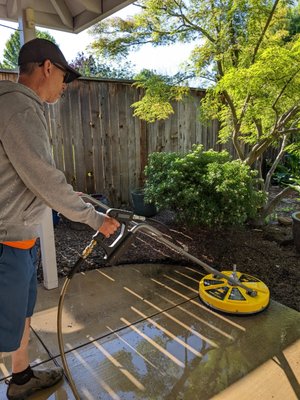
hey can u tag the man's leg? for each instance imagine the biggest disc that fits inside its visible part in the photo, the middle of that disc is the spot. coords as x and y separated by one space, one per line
21 292
20 357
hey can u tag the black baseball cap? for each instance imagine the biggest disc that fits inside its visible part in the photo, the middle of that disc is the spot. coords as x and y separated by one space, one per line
40 50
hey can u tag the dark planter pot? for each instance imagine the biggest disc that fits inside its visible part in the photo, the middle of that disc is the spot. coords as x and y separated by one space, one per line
139 205
296 229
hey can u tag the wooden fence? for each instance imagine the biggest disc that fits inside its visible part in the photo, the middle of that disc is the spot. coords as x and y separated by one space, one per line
102 148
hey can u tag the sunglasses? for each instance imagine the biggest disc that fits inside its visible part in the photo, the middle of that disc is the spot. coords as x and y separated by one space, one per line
66 75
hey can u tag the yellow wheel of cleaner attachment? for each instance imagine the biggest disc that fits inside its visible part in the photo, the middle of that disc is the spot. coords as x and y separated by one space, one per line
221 295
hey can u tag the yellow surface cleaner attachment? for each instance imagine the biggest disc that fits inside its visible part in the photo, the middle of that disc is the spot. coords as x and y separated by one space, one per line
222 295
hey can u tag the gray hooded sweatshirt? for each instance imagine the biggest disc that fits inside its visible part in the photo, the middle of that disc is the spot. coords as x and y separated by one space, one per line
29 179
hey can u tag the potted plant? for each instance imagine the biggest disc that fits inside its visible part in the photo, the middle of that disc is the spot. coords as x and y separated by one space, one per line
140 207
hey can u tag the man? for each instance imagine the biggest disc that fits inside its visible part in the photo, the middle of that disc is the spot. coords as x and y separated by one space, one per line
29 182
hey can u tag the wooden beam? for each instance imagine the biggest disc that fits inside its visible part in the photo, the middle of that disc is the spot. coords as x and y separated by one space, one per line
26 19
87 18
63 12
52 21
94 6
12 8
112 6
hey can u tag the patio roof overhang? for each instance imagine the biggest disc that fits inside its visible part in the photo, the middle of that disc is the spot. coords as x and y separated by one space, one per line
65 15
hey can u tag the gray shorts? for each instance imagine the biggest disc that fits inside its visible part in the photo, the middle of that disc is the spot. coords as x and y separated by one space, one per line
18 288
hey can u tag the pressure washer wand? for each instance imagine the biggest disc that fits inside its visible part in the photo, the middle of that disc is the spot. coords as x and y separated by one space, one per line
156 233
118 248
115 212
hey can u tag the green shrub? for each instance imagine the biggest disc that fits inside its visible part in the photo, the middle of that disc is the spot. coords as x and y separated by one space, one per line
203 187
288 170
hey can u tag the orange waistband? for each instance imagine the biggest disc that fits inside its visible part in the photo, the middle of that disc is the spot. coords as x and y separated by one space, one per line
23 244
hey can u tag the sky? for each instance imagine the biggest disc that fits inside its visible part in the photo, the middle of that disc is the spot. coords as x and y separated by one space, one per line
165 60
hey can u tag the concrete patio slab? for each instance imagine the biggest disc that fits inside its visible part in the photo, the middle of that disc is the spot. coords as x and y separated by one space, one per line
141 332
101 297
276 379
176 356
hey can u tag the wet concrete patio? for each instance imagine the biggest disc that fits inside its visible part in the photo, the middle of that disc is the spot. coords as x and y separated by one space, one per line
141 332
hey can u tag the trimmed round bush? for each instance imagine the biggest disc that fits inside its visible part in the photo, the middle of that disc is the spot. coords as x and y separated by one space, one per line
203 187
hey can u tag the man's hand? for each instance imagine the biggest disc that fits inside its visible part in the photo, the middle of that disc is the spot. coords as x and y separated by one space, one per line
109 226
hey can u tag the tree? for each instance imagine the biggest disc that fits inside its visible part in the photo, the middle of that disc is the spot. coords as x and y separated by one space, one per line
89 66
248 52
12 48
294 21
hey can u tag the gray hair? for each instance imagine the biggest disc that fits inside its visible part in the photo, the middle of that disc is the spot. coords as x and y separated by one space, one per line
28 68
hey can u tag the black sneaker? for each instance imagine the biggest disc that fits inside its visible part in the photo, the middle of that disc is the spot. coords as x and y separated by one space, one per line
41 379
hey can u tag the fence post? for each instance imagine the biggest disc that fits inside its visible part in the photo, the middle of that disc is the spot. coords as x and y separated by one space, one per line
143 151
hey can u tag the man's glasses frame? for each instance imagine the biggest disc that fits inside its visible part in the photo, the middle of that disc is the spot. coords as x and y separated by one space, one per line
66 76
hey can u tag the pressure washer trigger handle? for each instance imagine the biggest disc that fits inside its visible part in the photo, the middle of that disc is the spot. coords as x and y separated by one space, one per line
119 247
114 251
124 216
